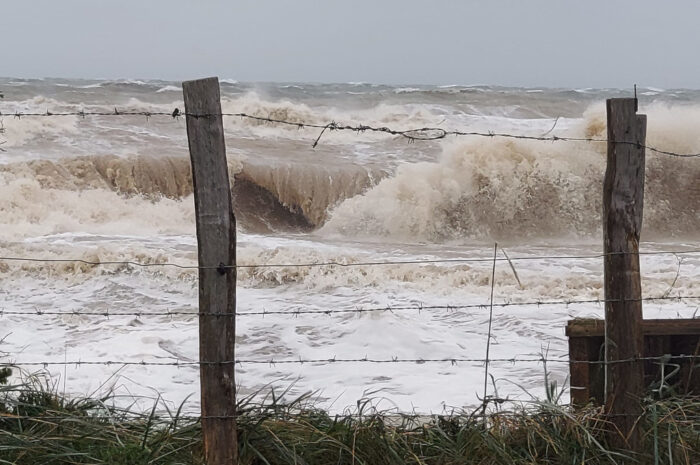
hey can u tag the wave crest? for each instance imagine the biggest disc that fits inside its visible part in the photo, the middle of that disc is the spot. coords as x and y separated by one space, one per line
99 193
506 188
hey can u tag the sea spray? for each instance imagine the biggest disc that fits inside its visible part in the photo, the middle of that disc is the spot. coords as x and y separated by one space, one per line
117 189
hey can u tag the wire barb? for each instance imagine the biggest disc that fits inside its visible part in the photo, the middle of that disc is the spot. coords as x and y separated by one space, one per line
413 135
341 264
334 360
419 307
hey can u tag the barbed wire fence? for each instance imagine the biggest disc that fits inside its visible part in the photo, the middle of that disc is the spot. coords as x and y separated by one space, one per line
420 307
411 135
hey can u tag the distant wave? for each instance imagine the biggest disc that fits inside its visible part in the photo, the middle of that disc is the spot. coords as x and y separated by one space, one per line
169 89
479 188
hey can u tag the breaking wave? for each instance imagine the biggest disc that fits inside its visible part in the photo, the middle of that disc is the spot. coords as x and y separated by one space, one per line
486 188
18 131
100 194
508 188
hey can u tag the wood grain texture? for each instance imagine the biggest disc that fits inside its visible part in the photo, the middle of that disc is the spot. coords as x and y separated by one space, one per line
660 327
579 381
623 201
216 241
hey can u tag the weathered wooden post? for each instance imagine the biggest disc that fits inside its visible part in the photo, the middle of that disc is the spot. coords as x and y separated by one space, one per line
216 240
623 196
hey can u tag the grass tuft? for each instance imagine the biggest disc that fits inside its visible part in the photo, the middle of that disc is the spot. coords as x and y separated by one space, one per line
40 425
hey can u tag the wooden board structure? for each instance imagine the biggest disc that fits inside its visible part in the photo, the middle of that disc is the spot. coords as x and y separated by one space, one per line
661 337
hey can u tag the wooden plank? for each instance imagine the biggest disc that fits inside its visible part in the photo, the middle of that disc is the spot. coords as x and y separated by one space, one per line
581 327
216 241
659 327
654 346
689 375
579 381
596 372
623 199
661 337
671 327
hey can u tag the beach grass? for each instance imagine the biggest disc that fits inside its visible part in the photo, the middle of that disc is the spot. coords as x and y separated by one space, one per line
39 425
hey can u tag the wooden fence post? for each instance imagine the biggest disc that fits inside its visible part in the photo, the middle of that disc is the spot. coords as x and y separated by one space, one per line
216 240
623 196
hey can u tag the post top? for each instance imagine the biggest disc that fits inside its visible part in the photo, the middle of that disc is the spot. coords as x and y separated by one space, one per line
202 80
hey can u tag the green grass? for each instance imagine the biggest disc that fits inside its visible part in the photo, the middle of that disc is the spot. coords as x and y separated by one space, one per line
38 425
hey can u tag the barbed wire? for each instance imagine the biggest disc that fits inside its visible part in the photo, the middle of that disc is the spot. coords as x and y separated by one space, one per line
412 135
408 416
333 360
389 308
370 415
341 264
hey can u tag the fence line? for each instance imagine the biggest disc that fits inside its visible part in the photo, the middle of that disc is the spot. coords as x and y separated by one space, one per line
372 414
332 360
412 135
390 309
341 264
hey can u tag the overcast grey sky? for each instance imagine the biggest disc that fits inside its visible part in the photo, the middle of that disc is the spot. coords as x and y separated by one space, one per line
590 43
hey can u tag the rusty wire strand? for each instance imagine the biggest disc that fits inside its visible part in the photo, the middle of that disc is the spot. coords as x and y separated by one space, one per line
108 418
412 135
389 308
340 264
333 360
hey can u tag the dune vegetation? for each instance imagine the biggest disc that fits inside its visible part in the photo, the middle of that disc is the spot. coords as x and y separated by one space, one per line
39 425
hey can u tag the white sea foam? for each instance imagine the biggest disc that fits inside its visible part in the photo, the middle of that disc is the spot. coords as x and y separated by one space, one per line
113 190
95 85
522 332
169 89
509 188
18 131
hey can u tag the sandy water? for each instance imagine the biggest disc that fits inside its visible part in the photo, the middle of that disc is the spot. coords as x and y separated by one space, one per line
114 189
